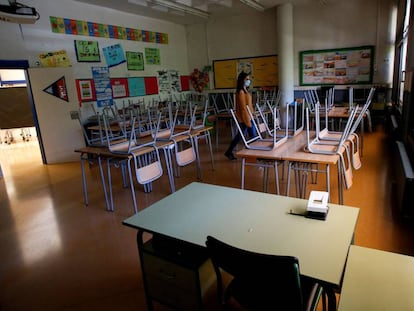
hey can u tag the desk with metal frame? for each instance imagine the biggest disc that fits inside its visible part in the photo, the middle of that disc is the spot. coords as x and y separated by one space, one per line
254 221
102 153
377 280
292 151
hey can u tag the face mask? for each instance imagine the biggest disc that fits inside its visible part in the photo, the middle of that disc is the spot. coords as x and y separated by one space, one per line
247 83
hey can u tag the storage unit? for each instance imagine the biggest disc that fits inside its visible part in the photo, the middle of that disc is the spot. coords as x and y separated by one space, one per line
175 273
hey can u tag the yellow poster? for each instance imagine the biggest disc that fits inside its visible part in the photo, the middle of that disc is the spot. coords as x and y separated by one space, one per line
54 59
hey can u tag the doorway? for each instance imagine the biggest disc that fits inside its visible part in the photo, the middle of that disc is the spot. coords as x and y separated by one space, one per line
18 123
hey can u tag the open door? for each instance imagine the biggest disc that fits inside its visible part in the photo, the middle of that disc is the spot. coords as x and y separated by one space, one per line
54 97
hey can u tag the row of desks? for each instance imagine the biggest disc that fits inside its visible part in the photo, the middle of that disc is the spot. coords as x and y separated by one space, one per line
292 151
104 154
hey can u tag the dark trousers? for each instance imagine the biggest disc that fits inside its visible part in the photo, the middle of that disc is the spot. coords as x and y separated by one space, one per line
246 130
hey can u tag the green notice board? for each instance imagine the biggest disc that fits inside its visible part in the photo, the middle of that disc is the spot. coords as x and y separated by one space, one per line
263 71
337 66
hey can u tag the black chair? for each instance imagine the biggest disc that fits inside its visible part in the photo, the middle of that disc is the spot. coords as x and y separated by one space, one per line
261 281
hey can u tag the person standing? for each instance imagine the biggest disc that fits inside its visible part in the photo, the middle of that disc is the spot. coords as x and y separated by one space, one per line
243 100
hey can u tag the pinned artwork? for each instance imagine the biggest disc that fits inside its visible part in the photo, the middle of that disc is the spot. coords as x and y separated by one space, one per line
114 55
54 59
58 89
337 66
87 51
135 60
84 28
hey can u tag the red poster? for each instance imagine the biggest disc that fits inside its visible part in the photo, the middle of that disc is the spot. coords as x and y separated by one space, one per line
185 83
119 87
151 85
86 90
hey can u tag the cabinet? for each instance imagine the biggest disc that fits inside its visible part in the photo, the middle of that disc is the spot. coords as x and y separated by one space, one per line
175 273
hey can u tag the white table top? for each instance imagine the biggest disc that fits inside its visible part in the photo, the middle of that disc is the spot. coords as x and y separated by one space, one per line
255 221
377 280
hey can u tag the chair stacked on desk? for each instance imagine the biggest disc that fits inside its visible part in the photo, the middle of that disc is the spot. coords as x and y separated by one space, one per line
352 138
145 154
268 136
344 144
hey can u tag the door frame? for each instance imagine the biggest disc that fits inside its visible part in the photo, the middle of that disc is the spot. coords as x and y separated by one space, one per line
24 64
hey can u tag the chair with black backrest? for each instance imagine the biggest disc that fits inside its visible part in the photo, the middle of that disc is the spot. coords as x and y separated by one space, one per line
261 281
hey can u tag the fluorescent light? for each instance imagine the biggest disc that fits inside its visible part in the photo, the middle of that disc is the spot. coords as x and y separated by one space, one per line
253 4
181 7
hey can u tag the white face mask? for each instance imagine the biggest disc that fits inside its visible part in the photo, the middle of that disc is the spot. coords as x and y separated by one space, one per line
247 83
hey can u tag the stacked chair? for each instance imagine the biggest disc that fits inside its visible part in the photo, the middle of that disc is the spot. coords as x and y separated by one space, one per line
269 136
343 143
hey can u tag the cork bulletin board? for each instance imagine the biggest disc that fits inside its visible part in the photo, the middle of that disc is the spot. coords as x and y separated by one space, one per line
337 66
263 71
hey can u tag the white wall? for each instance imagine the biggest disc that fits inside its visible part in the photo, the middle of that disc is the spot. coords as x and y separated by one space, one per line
242 36
337 24
38 38
342 24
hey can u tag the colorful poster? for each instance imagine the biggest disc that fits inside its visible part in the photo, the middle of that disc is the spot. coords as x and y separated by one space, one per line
174 80
135 60
114 55
86 90
152 56
58 89
55 59
103 87
87 51
341 66
92 29
119 87
163 82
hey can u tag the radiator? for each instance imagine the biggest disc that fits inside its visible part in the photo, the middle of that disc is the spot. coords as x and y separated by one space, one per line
404 178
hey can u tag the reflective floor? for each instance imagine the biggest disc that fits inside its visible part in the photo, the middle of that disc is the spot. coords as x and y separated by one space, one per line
58 254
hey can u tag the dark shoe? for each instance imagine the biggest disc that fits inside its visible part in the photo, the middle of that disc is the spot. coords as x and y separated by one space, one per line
230 155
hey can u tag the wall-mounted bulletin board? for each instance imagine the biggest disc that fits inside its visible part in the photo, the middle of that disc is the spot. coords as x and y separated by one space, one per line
337 66
263 71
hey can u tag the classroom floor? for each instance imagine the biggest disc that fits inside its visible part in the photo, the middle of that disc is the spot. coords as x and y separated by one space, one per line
58 254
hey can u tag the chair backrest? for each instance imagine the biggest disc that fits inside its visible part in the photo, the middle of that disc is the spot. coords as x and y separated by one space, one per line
92 138
312 99
199 115
186 128
261 119
121 141
269 143
298 117
260 281
344 136
351 97
362 111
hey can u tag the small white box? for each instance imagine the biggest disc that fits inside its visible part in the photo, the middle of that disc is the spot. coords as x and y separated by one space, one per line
318 202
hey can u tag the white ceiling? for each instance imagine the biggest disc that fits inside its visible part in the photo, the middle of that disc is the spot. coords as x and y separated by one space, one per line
216 8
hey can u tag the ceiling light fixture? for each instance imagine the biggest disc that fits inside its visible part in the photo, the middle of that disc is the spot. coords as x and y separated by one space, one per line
181 7
254 4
